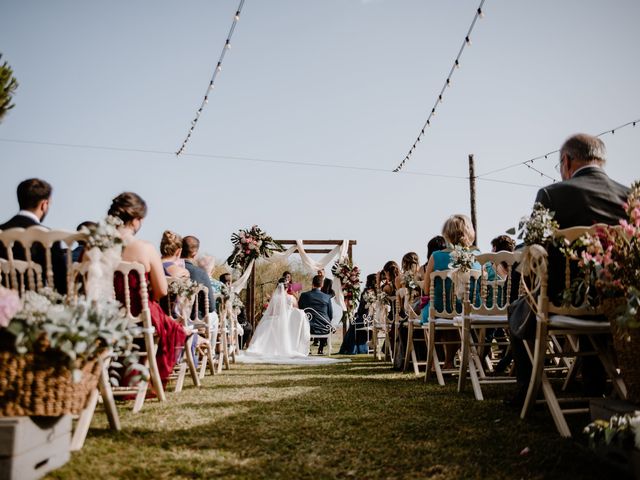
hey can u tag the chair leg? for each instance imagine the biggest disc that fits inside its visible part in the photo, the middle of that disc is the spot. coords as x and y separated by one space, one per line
190 361
82 427
153 369
409 349
107 397
464 357
429 339
537 360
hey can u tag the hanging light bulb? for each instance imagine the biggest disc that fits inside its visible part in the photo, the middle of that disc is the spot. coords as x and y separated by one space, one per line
480 13
457 64
468 40
237 16
227 44
448 82
439 98
219 67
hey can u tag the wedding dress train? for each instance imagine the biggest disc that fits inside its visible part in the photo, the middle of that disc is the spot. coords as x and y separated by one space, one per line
282 335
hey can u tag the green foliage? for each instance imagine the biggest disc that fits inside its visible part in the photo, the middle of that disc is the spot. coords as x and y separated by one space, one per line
8 86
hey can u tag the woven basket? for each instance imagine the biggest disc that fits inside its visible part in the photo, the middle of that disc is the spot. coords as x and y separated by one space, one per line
37 384
626 342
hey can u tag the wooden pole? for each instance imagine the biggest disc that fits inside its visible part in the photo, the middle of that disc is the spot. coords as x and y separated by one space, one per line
472 196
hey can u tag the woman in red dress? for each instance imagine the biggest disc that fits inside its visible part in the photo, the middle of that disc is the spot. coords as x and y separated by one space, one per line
132 209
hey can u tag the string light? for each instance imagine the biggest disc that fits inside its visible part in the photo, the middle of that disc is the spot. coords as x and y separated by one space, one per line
216 71
447 83
529 162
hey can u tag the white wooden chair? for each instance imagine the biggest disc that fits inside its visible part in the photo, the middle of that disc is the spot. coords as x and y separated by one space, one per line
187 361
34 245
142 318
554 322
442 320
414 325
310 314
366 325
381 331
486 311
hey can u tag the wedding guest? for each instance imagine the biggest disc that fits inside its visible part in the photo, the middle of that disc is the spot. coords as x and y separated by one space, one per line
190 248
356 342
585 196
390 272
435 244
410 264
327 287
34 199
322 312
457 231
503 243
132 210
171 251
76 253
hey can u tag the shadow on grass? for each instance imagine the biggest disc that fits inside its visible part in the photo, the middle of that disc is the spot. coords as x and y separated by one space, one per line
331 422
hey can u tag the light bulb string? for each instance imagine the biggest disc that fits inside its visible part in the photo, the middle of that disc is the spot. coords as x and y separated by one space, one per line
214 76
528 163
447 83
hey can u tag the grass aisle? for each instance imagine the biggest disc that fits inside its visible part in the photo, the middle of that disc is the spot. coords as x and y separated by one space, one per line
357 420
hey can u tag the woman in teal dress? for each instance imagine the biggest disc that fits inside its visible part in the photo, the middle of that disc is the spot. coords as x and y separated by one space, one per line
457 230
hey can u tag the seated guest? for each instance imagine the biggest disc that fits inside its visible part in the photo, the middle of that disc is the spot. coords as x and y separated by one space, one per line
502 243
322 312
457 230
171 250
190 248
436 243
34 197
132 209
585 196
358 342
76 253
410 265
327 287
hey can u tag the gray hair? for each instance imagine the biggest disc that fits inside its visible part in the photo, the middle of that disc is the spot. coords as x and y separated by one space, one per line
585 148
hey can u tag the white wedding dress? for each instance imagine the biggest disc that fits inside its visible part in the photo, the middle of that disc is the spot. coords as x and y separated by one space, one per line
282 335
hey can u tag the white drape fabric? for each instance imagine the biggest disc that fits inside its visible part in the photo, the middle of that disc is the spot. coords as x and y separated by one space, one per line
339 251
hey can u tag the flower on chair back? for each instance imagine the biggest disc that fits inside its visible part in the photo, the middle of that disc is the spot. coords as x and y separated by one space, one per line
538 228
610 259
462 259
105 234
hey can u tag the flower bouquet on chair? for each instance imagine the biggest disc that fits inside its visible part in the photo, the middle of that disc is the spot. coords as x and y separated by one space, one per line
462 260
184 292
50 351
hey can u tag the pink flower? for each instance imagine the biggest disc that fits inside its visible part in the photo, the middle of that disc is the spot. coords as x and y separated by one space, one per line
10 304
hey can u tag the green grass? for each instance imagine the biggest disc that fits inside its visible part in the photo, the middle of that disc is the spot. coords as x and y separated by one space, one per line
354 420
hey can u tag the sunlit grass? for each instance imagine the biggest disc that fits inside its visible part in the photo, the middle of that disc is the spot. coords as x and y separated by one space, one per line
354 420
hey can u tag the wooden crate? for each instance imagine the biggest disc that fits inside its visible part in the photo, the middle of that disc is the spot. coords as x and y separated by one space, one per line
30 448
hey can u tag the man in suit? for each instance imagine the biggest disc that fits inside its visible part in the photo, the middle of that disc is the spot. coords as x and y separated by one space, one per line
190 248
585 196
34 198
323 312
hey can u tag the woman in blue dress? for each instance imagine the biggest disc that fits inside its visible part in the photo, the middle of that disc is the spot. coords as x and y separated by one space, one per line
457 231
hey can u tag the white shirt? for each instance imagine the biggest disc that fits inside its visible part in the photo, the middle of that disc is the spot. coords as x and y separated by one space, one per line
29 214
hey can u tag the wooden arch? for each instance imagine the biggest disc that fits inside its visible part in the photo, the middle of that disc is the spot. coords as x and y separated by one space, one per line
322 246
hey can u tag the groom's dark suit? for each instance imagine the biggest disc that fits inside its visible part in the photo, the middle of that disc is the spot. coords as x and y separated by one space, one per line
38 254
588 197
321 303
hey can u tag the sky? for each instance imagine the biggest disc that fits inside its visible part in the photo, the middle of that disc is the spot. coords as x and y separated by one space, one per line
332 82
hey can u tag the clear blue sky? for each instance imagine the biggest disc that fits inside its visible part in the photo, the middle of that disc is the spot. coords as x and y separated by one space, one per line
344 82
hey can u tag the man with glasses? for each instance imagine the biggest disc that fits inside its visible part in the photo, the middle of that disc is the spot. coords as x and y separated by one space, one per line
585 196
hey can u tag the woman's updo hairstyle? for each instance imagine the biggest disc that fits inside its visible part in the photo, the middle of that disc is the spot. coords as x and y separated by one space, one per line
128 206
170 243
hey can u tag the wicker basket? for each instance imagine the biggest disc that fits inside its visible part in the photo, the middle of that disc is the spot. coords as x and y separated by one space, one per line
627 345
37 384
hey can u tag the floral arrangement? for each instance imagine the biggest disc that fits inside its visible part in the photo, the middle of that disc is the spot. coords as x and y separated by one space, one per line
610 260
43 323
538 228
462 259
105 235
371 298
349 276
237 303
183 288
620 430
250 245
409 280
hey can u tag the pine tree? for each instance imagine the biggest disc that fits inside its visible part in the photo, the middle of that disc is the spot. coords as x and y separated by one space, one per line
8 86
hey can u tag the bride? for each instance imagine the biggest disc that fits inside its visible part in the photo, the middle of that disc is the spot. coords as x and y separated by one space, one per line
283 331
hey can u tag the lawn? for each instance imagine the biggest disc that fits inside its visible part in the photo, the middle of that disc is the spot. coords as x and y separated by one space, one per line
350 420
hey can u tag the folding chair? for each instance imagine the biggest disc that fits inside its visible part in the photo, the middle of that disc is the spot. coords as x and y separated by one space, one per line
488 310
555 322
326 327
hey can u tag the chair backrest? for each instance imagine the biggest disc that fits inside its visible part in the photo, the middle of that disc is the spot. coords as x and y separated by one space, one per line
313 313
129 271
443 302
496 283
536 264
201 298
34 246
19 269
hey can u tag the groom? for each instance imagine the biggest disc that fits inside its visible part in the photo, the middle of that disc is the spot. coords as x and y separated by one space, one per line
322 312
